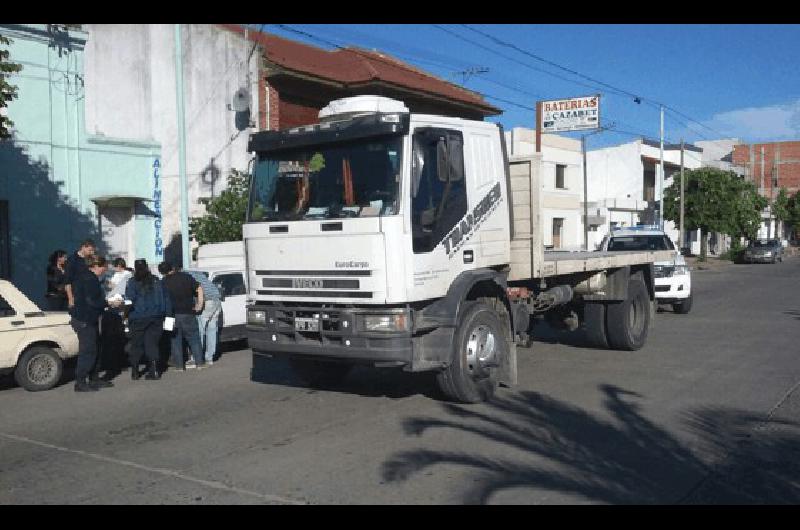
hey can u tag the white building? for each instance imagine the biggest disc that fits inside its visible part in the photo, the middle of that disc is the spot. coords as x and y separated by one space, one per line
130 93
623 187
561 185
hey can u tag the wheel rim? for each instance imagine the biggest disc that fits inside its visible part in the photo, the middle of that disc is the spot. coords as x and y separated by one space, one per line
41 369
481 351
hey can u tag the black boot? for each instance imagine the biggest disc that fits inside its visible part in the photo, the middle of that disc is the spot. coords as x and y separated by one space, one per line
99 382
152 372
82 386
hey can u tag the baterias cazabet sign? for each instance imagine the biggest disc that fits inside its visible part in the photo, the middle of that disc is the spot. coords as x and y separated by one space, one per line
573 114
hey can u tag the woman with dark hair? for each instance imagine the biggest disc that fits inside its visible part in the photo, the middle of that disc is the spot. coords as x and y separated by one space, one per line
56 296
150 303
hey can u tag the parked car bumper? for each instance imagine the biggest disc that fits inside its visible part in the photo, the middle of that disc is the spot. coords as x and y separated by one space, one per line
674 288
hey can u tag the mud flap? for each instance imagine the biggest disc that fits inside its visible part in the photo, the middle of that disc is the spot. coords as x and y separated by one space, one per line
507 371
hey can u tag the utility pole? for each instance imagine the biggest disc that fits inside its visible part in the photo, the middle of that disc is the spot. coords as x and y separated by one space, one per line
661 175
182 147
680 236
585 198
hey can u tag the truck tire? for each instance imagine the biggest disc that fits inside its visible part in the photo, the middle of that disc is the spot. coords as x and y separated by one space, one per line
478 345
319 373
38 368
628 322
594 319
683 307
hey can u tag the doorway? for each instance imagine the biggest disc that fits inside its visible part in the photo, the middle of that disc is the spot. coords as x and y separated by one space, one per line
115 222
558 228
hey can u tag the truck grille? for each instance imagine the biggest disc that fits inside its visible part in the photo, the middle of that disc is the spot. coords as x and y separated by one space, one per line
333 326
308 283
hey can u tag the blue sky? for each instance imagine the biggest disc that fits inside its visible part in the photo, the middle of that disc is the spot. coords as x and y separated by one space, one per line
733 80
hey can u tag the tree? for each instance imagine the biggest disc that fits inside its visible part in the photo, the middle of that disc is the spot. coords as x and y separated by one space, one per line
780 209
715 201
225 214
8 91
793 213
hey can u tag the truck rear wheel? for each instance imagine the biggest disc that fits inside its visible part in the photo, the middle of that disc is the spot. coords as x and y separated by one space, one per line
319 373
38 368
478 346
594 318
628 322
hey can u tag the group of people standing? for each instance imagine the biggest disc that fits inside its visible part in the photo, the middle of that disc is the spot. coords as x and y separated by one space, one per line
131 306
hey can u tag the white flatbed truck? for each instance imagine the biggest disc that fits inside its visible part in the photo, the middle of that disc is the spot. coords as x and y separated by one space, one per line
396 239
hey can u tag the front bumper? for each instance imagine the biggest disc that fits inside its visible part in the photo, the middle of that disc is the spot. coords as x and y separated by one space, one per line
340 335
758 259
672 289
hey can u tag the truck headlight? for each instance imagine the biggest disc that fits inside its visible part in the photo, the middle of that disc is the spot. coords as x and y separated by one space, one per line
768 253
388 322
680 270
257 317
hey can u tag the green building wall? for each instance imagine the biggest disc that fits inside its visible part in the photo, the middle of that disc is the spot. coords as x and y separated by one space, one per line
53 174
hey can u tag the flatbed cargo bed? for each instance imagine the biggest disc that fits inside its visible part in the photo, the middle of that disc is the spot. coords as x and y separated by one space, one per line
561 262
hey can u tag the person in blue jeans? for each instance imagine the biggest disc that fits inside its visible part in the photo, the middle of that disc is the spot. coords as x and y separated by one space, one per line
150 303
187 302
208 319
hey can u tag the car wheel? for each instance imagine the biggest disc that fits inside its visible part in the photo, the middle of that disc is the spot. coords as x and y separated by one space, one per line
39 368
683 307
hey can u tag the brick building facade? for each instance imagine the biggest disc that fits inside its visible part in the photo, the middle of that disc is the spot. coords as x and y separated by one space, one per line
770 166
297 80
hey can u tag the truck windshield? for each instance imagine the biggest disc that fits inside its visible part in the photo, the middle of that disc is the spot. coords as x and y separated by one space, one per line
360 178
640 243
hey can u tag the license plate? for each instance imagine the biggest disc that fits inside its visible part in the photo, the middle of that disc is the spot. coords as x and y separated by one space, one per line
306 324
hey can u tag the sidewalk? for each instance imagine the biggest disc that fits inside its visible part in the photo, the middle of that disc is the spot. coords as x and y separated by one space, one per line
711 263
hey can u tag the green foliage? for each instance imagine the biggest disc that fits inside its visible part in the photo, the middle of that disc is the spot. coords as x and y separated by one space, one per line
780 206
715 201
793 212
225 214
8 91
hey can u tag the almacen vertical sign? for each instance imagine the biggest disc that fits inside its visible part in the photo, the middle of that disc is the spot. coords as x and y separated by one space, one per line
573 114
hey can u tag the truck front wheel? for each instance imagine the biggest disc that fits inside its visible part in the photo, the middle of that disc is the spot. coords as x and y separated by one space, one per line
627 322
478 347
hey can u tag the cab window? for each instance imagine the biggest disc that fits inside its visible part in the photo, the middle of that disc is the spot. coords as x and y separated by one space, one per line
5 308
230 284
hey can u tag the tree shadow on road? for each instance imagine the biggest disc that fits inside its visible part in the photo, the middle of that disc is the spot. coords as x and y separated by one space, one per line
555 446
793 313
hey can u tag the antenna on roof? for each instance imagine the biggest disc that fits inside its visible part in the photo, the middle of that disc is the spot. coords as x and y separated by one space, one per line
469 72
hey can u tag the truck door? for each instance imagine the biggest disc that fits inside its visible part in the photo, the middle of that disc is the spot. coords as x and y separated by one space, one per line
438 205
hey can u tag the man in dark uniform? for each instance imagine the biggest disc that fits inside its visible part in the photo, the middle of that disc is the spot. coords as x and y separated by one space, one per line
76 263
88 304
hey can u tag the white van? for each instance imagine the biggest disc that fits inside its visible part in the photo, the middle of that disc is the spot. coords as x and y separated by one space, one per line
223 264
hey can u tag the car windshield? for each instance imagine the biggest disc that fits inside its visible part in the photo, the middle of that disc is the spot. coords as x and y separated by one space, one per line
360 178
763 243
642 242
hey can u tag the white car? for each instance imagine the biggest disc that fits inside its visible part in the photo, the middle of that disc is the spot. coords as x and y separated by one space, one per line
673 281
33 343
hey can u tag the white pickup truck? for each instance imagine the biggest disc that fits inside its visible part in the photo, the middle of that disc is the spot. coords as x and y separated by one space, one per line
673 281
33 343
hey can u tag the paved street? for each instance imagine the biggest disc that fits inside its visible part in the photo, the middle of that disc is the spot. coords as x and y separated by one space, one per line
707 412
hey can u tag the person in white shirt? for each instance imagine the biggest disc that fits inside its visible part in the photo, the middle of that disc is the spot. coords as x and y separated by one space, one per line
112 326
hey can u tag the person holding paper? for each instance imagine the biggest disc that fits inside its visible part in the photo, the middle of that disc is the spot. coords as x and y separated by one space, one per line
149 304
112 326
183 290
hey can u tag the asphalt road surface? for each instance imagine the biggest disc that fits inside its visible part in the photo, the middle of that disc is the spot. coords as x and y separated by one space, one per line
707 413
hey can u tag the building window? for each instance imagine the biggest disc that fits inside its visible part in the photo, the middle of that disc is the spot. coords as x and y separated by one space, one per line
561 169
558 228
